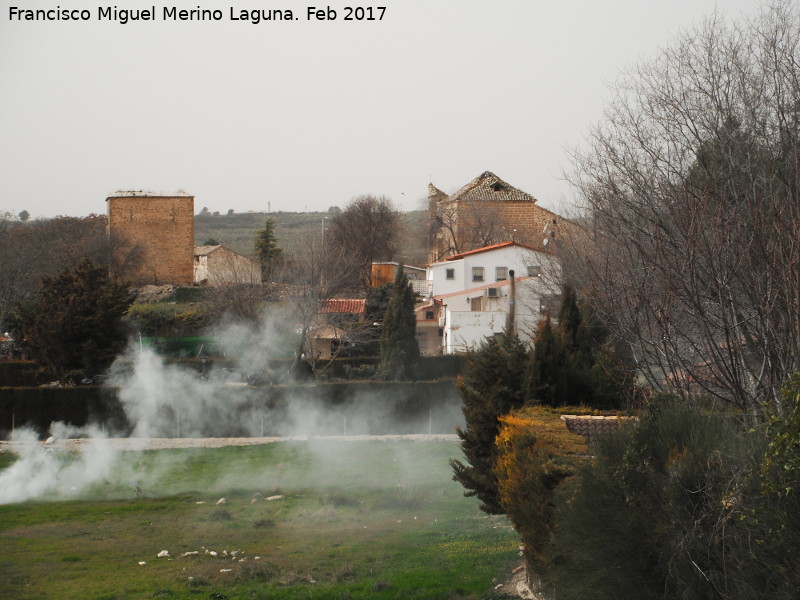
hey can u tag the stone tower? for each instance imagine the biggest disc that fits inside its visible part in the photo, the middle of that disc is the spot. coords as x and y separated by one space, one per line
157 230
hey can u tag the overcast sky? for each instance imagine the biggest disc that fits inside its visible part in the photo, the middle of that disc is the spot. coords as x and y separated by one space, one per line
303 115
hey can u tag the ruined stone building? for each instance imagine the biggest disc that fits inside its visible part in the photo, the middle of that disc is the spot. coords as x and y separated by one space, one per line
156 233
218 265
487 211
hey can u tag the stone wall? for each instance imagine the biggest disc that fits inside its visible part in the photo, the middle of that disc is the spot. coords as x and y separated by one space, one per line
159 231
479 224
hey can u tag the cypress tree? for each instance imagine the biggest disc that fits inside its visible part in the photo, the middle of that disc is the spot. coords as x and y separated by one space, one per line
492 386
267 250
548 372
574 363
399 346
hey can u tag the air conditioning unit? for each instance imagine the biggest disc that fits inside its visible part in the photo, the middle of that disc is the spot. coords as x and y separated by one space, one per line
492 292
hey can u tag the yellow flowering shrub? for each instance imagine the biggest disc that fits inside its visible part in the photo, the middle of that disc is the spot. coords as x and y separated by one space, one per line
536 455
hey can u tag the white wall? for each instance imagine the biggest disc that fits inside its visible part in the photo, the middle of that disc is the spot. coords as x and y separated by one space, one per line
517 258
464 328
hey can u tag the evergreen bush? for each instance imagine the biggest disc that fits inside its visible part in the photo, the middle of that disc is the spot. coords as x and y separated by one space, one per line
674 508
493 384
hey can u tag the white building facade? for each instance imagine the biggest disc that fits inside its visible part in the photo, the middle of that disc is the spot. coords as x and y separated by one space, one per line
472 296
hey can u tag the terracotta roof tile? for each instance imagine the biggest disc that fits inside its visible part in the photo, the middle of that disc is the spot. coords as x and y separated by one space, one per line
353 306
488 187
593 427
494 247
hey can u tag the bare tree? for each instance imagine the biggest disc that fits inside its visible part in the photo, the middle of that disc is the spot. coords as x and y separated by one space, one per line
32 250
692 193
367 230
311 276
462 226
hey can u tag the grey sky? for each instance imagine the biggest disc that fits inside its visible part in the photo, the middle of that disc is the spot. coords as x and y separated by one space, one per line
304 115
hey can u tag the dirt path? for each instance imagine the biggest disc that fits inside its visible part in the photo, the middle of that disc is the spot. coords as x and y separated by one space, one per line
168 443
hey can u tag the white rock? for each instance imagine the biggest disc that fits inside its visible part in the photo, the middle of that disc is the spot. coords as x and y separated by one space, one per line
163 553
278 497
142 563
220 501
225 570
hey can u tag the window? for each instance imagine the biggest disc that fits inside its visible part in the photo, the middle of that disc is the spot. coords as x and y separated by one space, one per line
450 273
428 315
475 304
477 273
534 270
500 273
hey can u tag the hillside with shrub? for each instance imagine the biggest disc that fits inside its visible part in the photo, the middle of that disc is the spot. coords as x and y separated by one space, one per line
237 231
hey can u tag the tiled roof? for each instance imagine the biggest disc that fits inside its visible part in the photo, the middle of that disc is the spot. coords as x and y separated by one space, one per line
353 306
429 304
593 427
488 187
490 248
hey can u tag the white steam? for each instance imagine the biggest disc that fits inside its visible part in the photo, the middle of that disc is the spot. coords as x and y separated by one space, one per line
162 400
49 470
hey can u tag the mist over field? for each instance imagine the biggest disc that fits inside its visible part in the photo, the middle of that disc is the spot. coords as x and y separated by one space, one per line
163 400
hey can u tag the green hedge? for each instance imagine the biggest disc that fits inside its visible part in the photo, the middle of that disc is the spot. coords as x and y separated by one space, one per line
346 407
19 373
37 407
429 368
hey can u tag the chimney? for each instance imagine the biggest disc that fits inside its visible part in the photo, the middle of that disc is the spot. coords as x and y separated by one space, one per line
512 302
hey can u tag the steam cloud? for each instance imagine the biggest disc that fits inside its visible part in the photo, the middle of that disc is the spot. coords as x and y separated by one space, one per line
49 471
163 400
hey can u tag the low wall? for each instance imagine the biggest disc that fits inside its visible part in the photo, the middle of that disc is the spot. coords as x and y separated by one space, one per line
346 408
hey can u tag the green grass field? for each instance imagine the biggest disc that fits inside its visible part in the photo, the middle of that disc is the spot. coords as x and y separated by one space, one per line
377 519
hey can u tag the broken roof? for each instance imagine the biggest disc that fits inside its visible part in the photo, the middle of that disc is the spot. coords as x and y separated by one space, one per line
147 194
488 187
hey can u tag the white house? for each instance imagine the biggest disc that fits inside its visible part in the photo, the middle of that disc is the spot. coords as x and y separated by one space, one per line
491 264
472 296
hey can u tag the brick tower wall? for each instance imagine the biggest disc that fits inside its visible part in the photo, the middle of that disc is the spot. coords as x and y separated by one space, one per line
161 229
478 224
